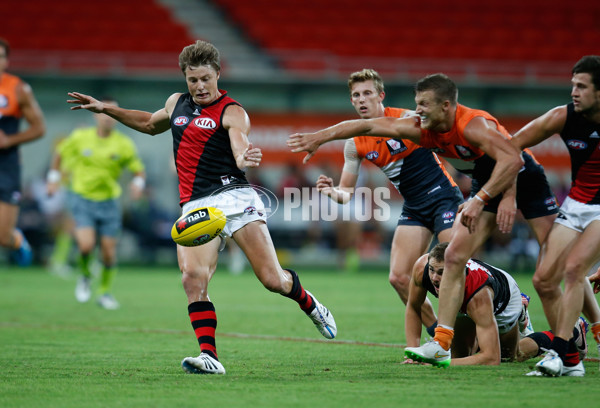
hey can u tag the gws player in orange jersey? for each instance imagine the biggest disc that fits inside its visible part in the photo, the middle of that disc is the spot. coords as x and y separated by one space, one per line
484 151
573 244
211 148
431 198
16 102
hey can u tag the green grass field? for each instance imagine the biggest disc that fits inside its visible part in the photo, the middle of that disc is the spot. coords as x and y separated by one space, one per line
55 352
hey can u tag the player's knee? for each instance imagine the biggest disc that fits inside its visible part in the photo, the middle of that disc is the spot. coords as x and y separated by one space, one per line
544 284
272 281
195 274
453 258
574 272
399 281
6 240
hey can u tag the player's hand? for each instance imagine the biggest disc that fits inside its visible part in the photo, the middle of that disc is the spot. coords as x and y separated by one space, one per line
52 188
595 280
82 101
4 142
135 192
325 185
305 142
252 157
470 213
507 210
411 361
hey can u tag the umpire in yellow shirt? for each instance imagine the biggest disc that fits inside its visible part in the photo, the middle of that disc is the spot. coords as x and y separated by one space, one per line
92 159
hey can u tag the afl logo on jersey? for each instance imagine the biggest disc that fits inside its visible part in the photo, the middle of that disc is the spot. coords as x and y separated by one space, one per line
576 144
448 214
181 121
3 101
372 155
205 123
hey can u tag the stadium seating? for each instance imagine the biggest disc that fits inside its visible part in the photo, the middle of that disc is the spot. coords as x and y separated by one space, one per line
325 35
107 35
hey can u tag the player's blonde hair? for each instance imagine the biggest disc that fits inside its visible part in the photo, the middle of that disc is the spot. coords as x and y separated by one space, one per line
366 74
198 54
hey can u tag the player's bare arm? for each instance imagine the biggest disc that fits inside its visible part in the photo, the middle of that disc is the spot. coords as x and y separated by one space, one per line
343 192
484 135
406 128
33 116
481 310
237 123
595 280
416 297
540 129
507 209
54 176
142 121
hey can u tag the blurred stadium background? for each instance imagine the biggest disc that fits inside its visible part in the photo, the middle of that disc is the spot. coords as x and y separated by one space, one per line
287 62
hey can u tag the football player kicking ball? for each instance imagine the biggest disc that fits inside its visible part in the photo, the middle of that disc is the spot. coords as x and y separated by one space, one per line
211 148
491 316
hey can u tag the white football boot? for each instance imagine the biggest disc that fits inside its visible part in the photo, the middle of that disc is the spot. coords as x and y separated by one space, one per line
108 302
323 319
203 364
430 352
551 365
83 290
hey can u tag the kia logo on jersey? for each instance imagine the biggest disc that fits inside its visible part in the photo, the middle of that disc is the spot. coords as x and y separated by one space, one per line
372 155
576 144
181 120
205 123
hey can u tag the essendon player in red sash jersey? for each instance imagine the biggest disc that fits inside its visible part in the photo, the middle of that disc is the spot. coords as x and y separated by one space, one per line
492 302
16 102
573 245
202 149
211 148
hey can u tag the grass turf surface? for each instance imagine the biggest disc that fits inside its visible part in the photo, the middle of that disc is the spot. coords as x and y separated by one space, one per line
56 352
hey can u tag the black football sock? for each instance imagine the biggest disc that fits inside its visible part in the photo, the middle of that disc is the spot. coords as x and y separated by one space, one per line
561 346
305 301
543 340
572 356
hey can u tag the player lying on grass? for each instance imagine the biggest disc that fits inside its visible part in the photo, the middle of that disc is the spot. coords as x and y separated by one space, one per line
494 322
487 328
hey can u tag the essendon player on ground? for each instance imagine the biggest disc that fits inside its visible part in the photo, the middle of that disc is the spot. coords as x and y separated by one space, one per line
492 305
573 245
210 143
